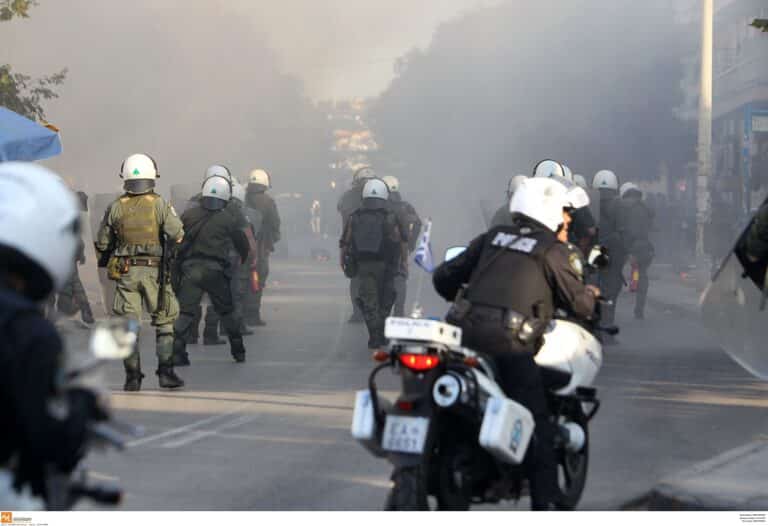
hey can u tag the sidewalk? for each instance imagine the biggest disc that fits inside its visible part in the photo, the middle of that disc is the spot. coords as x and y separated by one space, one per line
734 480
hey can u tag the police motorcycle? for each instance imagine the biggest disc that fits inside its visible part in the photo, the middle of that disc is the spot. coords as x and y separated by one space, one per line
453 434
84 369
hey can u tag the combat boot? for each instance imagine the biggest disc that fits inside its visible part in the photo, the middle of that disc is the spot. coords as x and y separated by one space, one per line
86 315
167 377
237 349
180 355
133 381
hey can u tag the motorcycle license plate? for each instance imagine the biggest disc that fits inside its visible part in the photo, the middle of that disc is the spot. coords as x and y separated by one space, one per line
405 434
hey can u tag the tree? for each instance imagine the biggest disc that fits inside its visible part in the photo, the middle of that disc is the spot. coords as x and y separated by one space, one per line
18 92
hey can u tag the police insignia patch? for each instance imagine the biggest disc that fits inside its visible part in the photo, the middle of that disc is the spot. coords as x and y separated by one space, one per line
576 265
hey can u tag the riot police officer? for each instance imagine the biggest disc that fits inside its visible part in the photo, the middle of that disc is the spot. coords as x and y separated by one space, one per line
256 198
635 224
611 278
204 264
134 231
505 289
502 215
373 249
350 201
410 223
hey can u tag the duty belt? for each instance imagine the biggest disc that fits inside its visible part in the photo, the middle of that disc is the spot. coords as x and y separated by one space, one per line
143 262
507 318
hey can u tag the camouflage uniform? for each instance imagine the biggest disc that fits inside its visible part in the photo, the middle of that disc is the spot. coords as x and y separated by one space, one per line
135 226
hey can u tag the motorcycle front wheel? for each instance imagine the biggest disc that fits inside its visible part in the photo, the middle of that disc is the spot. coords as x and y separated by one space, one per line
409 490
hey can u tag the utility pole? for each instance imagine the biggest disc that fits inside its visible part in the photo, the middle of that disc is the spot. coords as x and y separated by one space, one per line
705 127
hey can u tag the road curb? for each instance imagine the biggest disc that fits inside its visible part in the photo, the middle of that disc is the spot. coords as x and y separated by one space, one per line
734 480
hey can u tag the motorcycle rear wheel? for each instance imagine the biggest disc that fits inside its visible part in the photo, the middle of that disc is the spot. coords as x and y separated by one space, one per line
572 474
409 490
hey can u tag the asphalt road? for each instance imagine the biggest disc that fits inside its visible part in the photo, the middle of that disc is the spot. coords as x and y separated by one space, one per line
273 433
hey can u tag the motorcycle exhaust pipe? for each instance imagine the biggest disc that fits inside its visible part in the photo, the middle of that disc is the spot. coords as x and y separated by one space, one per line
573 435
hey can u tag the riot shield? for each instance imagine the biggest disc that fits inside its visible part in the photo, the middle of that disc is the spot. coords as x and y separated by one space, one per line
99 205
181 194
733 309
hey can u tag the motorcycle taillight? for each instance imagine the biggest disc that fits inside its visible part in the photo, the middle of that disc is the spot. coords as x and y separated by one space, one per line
420 362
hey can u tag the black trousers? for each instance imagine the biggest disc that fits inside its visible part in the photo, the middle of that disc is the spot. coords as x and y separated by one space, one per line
521 380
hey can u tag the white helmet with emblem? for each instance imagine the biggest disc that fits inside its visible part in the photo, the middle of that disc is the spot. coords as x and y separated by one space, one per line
259 176
139 166
217 191
364 172
238 191
548 168
375 189
605 179
541 199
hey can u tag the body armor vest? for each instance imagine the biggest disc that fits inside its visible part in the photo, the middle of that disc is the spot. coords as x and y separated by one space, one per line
368 233
515 279
139 225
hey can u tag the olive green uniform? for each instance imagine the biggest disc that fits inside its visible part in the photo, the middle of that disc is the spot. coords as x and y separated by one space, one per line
377 262
205 268
135 226
350 201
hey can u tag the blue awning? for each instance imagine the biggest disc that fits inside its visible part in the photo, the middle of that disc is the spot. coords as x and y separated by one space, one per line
22 139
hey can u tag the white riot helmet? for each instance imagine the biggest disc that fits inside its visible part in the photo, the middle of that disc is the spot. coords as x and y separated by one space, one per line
238 191
576 196
218 170
217 192
375 189
541 199
364 172
629 187
39 222
392 183
514 183
139 171
567 173
548 168
580 180
605 179
261 177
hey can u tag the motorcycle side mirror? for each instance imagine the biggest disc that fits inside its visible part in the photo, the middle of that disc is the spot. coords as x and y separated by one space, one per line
598 257
114 339
453 252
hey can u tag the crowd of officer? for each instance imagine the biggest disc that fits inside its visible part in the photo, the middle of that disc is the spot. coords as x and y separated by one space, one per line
220 246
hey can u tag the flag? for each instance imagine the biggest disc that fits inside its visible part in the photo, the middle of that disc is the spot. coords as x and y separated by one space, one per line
423 255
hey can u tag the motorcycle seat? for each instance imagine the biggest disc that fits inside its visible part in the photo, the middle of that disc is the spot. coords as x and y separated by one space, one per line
554 379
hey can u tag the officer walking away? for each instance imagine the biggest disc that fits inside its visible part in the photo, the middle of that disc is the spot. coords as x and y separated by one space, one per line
212 319
511 275
72 297
611 278
373 249
636 223
410 223
39 233
204 265
350 201
256 197
133 235
502 215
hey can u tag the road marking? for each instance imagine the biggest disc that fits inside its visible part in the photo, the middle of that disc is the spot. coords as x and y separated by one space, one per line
199 435
186 428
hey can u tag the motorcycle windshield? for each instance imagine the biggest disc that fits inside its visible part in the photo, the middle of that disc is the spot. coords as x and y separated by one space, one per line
733 309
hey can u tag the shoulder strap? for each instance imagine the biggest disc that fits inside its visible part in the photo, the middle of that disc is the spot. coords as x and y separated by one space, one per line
193 234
